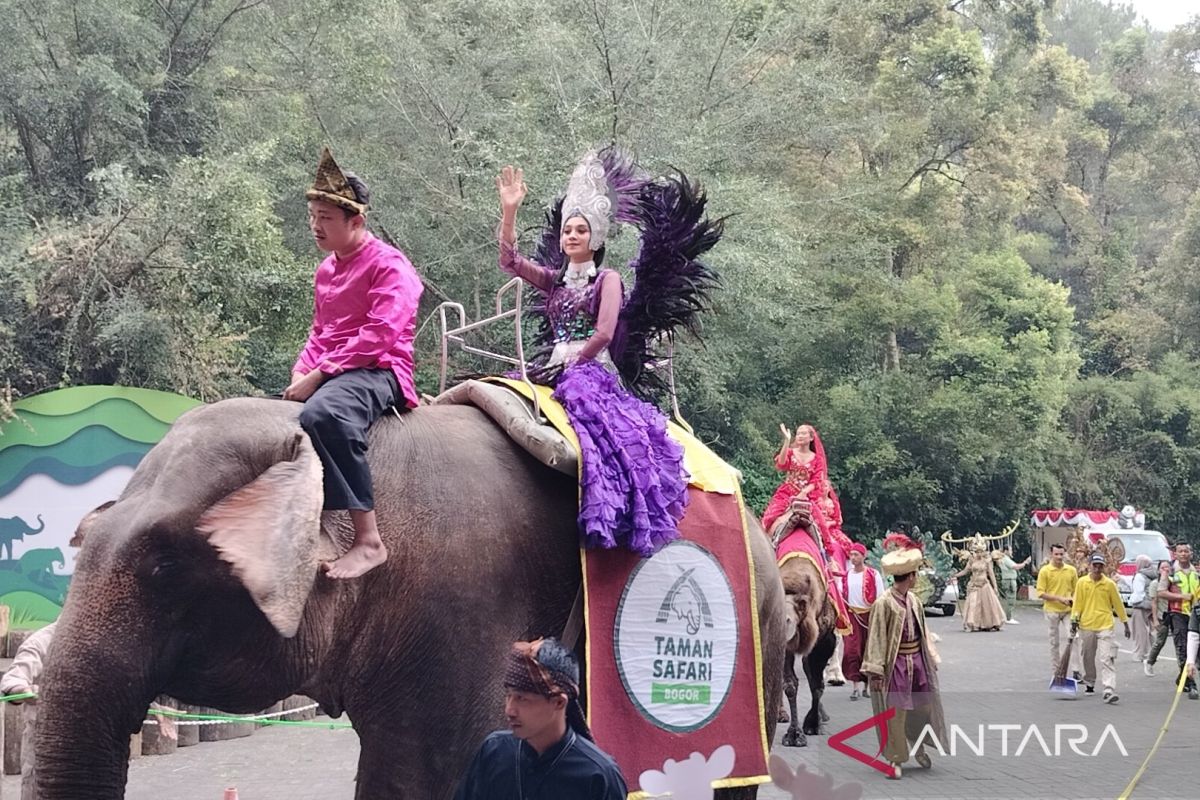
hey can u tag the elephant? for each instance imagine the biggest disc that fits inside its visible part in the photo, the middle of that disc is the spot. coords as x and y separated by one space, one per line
38 565
14 529
202 582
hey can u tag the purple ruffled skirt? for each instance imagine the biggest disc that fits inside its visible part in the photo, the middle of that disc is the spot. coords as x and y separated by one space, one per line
634 487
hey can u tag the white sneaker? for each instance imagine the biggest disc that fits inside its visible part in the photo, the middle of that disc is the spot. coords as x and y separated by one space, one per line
1013 622
1148 668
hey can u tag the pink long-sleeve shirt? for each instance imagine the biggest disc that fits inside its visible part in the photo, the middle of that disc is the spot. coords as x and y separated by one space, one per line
364 315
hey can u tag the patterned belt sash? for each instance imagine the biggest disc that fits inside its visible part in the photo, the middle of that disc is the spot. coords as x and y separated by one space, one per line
910 648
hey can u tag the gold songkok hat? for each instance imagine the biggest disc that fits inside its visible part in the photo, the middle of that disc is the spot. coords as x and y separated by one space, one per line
902 562
331 186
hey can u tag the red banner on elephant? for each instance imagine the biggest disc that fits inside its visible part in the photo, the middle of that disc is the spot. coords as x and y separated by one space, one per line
673 657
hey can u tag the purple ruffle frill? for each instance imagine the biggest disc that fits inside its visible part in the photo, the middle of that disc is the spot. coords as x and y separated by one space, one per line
634 487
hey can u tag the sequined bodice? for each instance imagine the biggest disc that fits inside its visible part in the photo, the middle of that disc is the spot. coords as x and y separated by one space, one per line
799 475
569 312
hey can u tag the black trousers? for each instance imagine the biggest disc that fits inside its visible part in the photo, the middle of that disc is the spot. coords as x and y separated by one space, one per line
337 418
1179 626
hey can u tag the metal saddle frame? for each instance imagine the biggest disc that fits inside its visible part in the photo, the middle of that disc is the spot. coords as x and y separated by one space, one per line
457 335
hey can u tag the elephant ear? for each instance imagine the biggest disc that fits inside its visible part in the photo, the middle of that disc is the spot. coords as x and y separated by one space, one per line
87 522
268 531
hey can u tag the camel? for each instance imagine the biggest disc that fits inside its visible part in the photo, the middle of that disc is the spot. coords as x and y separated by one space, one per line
811 623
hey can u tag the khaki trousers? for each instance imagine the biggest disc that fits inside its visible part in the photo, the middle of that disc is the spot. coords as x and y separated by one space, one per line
1008 596
1058 623
1141 632
1099 649
904 728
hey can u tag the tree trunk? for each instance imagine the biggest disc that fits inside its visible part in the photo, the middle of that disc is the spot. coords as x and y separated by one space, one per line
25 137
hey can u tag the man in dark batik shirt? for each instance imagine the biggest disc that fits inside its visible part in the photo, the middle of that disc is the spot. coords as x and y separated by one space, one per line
548 752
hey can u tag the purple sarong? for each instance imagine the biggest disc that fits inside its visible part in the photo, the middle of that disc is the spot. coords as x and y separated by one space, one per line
633 488
909 678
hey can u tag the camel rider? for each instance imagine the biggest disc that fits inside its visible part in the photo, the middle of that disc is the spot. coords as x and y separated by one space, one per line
358 360
548 750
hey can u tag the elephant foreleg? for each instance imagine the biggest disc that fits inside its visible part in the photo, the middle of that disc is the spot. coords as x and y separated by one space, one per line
793 737
814 669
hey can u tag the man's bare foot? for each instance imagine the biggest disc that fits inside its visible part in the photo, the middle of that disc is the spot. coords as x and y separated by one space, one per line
358 560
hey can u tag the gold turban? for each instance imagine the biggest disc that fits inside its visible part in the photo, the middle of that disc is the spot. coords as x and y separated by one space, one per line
902 562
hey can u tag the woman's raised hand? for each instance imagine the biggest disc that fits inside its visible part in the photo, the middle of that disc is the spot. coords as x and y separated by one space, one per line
510 183
786 433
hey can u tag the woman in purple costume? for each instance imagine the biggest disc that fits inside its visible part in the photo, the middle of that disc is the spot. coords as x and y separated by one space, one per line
633 484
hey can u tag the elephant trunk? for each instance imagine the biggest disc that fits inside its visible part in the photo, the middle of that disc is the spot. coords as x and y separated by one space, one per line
41 525
94 695
82 743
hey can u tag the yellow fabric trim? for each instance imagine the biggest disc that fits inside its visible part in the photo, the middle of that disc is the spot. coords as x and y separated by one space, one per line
730 783
724 783
797 554
758 667
708 472
587 631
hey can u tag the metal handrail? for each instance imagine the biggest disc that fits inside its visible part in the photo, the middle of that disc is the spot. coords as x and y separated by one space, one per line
455 334
516 286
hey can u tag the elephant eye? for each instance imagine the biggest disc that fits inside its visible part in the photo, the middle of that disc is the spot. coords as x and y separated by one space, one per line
165 565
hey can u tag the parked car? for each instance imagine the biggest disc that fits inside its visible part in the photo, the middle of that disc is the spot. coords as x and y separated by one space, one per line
945 602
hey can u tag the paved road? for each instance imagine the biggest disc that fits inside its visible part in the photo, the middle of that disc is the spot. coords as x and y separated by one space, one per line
1001 679
987 679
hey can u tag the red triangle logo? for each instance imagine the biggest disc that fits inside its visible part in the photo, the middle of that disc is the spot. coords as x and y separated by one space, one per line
838 741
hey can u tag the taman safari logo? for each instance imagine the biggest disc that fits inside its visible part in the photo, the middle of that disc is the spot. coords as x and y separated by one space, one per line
686 601
676 637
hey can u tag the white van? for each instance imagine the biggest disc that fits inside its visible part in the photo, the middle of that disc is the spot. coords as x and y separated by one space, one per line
1053 526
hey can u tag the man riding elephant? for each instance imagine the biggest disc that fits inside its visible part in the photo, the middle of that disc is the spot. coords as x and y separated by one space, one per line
358 360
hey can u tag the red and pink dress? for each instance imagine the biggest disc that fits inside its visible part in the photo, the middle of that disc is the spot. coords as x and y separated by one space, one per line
811 479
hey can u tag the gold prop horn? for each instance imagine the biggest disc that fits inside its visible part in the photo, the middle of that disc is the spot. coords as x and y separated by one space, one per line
1004 534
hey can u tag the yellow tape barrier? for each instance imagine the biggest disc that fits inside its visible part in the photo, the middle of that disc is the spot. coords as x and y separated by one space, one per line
1137 776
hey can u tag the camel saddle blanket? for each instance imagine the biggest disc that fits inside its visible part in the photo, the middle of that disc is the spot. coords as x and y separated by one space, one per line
673 655
799 544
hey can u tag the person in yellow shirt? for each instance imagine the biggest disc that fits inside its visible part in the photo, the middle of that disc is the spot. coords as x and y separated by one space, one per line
1096 601
1056 587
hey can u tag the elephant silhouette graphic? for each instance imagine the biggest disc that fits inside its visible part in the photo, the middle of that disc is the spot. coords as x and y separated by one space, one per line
14 529
38 565
687 606
686 601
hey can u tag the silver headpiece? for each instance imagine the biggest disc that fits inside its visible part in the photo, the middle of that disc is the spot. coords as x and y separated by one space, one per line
588 196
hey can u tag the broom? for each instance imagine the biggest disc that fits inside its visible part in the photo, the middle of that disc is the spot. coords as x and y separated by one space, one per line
1060 683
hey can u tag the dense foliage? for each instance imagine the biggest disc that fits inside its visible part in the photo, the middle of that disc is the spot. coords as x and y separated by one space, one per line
964 244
